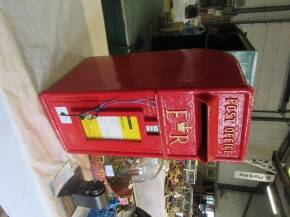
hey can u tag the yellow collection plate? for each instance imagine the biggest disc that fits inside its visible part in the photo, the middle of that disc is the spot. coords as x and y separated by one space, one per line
112 127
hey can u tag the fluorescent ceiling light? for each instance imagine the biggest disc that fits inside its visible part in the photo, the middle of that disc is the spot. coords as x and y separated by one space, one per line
270 195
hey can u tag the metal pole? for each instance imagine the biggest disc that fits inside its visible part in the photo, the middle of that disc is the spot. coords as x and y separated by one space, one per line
272 119
262 9
282 175
248 205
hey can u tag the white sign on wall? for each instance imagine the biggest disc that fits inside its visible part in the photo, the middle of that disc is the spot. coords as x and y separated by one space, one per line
254 176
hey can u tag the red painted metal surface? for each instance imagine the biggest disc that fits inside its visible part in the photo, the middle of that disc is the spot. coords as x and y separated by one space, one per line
197 97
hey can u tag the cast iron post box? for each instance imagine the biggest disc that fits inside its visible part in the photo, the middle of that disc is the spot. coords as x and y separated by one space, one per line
181 104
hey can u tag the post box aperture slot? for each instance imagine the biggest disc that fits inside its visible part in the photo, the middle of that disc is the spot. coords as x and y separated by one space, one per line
204 131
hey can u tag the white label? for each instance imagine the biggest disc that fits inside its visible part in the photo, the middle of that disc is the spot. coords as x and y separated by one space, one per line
109 170
152 129
218 13
110 127
210 11
254 176
62 112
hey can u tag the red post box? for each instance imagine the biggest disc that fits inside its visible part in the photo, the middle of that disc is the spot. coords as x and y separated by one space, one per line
182 104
